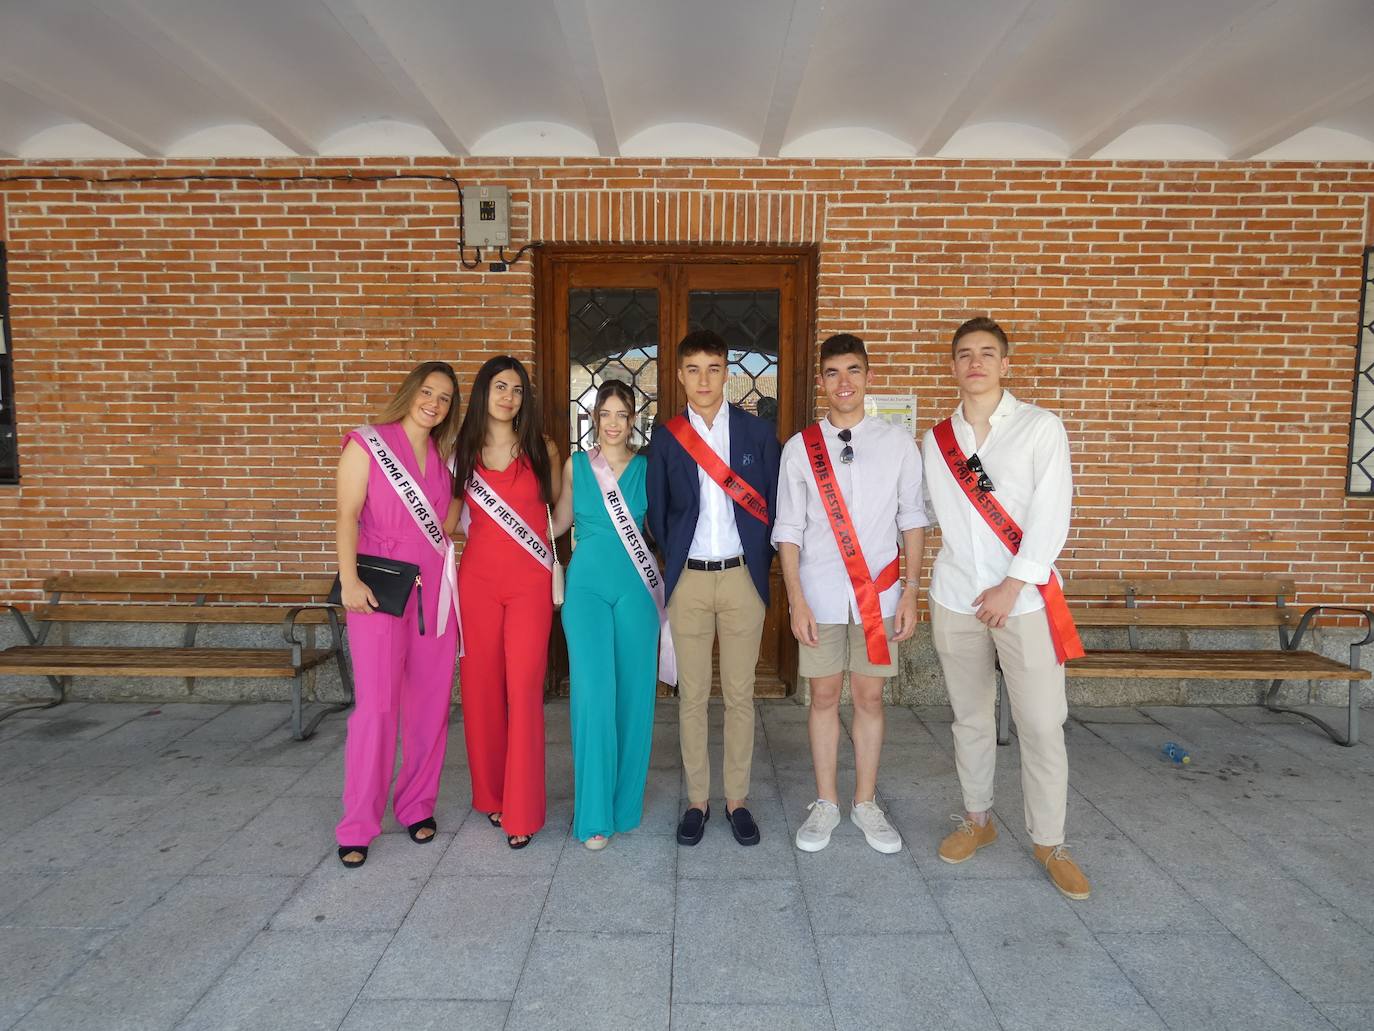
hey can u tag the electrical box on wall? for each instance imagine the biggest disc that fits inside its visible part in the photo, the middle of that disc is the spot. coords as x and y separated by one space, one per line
486 216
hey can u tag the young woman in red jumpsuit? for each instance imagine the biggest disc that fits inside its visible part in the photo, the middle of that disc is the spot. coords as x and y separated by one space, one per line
506 598
403 675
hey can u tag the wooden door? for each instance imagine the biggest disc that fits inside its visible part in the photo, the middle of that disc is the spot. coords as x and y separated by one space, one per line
608 312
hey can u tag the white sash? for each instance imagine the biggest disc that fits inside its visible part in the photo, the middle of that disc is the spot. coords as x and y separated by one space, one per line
430 527
640 555
480 493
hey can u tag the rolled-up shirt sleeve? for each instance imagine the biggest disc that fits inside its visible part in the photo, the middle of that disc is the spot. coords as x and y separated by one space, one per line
911 509
790 519
1046 525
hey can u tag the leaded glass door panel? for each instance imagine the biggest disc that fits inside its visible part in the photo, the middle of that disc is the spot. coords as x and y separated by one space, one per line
752 309
612 334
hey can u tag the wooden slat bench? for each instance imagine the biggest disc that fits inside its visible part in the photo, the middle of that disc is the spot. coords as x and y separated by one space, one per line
1192 602
239 599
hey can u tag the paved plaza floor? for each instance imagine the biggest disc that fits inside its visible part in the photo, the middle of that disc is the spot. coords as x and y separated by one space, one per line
173 866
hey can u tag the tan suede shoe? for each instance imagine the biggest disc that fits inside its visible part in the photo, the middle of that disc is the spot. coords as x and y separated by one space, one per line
967 839
1063 871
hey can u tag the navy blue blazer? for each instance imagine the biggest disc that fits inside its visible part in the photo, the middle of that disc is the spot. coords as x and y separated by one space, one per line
675 496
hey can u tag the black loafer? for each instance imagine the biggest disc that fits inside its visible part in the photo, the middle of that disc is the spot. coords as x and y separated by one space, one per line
742 823
693 825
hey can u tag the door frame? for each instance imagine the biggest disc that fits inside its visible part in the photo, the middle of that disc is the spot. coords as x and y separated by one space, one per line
552 266
548 258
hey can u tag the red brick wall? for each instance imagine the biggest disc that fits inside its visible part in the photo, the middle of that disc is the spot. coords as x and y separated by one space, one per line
186 355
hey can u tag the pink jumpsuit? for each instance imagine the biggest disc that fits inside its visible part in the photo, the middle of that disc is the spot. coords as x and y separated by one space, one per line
399 675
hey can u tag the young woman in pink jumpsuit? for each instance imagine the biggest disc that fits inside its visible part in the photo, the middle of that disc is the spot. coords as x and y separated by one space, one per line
402 676
506 600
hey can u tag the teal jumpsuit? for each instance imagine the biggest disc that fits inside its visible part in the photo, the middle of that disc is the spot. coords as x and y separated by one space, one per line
611 625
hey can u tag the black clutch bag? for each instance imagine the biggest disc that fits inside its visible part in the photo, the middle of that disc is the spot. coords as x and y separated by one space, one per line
390 582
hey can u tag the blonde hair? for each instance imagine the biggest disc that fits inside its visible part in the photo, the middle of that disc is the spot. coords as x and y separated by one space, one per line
445 435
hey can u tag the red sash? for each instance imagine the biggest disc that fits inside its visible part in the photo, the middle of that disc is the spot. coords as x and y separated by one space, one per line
866 589
1062 631
726 478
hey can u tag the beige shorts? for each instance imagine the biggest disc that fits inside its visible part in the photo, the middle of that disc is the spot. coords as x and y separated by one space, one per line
841 647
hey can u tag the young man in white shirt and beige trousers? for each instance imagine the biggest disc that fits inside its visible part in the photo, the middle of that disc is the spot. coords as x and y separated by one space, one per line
998 471
848 487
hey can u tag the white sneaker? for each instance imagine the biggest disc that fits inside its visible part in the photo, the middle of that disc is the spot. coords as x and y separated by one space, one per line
877 831
814 834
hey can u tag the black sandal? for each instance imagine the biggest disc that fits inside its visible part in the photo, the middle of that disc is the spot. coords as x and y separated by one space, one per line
513 843
345 850
426 824
494 819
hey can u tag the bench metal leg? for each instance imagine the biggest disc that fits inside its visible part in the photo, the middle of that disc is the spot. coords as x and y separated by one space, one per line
59 684
300 730
1352 732
1003 710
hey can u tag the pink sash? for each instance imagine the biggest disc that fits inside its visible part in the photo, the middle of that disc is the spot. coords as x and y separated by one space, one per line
480 494
430 525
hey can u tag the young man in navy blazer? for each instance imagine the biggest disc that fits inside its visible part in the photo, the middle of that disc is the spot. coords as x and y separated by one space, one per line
712 485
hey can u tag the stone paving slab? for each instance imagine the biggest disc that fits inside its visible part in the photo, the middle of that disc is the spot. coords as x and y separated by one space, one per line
425 1015
897 981
296 979
745 942
36 960
564 983
625 888
466 938
377 897
173 866
155 970
1209 981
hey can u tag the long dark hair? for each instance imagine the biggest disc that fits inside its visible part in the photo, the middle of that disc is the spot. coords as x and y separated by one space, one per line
446 433
621 390
528 436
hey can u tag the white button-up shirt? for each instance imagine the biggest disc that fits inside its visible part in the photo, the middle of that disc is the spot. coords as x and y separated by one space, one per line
716 536
881 489
1026 455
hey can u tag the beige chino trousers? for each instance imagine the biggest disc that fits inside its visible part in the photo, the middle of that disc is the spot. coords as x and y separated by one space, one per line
705 606
1035 687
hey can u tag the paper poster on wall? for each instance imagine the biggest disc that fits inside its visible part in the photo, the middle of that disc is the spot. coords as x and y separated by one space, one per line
898 409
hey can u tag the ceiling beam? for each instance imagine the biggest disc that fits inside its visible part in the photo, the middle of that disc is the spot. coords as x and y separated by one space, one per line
357 25
802 30
577 32
1358 92
79 111
1202 53
986 74
133 17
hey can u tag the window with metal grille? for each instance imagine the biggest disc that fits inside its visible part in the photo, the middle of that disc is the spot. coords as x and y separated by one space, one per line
1360 476
9 443
612 334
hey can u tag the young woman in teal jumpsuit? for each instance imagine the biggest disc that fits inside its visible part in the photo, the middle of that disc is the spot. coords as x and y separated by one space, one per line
612 628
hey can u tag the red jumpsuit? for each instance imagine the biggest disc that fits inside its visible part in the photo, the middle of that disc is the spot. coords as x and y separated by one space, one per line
507 603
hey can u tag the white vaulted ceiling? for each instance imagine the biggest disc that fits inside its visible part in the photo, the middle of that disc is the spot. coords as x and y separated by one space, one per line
1127 79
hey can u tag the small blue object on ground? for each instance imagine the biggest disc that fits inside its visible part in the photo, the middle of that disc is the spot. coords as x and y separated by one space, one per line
1176 753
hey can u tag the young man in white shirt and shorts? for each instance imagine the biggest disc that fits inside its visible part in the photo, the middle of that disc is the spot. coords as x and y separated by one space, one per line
999 481
848 488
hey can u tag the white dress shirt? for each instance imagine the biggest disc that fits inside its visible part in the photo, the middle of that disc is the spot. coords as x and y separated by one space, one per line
1026 455
881 489
716 536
